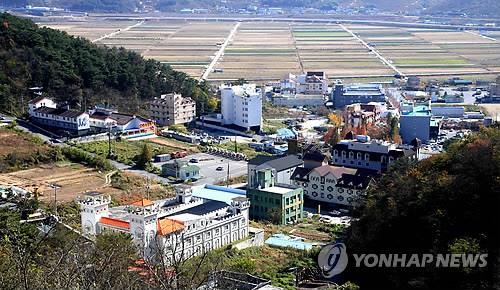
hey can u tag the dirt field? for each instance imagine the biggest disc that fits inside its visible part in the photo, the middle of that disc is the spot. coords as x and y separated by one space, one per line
73 180
493 110
11 142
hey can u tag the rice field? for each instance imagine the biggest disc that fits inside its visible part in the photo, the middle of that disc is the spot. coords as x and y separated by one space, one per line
262 51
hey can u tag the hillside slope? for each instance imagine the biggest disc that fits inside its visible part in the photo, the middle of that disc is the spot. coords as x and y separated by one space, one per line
75 71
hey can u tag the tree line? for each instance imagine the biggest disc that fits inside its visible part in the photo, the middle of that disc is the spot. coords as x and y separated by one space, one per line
79 73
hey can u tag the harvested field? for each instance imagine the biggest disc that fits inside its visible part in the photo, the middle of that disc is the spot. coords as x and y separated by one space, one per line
269 50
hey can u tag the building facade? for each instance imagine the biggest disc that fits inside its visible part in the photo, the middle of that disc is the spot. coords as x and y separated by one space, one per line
415 122
359 93
332 184
365 153
309 83
242 106
282 167
278 203
43 111
172 109
128 126
171 230
180 169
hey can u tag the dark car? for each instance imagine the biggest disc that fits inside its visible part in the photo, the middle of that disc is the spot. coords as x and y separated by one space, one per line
220 168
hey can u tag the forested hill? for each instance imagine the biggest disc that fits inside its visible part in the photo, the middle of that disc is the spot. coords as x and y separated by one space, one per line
76 71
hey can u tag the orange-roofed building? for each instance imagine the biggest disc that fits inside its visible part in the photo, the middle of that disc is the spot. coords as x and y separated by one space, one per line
114 223
143 202
168 226
182 227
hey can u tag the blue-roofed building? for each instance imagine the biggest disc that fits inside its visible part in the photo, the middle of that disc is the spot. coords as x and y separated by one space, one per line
357 93
285 133
415 122
217 193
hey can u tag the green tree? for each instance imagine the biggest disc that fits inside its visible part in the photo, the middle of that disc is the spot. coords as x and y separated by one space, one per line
144 158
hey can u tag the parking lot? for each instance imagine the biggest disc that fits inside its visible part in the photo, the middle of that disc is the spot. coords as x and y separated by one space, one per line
208 167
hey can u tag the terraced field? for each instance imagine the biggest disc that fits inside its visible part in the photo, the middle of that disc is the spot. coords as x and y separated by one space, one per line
262 51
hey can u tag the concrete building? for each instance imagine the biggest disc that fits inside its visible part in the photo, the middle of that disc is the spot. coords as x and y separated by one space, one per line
364 153
413 83
448 111
309 83
415 122
180 169
332 184
298 100
282 167
126 125
359 93
278 203
242 106
171 229
172 109
45 112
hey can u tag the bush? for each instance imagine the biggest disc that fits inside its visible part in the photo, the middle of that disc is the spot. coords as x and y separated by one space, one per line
80 156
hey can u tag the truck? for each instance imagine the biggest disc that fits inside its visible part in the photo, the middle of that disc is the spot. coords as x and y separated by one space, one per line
178 154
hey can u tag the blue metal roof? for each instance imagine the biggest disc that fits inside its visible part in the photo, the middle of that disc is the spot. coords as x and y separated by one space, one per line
217 193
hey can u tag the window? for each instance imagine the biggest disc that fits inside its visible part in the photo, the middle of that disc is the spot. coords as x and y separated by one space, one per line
340 198
315 194
349 191
341 190
330 196
315 186
329 188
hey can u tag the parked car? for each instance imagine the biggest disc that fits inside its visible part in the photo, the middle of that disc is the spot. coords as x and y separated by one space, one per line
220 168
335 213
194 160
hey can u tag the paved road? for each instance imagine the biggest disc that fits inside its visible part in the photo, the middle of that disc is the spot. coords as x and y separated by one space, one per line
374 50
208 168
220 52
118 31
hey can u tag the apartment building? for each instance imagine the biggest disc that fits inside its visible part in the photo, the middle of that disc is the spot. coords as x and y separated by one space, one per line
308 83
242 106
172 109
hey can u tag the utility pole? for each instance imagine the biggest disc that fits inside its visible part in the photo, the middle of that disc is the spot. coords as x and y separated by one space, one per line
235 144
55 186
110 152
147 187
227 179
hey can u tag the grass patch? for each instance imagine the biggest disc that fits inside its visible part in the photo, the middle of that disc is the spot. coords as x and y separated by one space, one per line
320 33
423 61
125 151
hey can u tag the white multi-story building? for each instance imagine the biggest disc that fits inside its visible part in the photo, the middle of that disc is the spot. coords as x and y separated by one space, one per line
172 229
332 184
44 112
309 83
171 109
242 106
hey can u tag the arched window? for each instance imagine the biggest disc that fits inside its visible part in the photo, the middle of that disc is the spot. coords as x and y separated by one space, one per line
343 154
367 156
335 152
383 159
351 155
358 156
